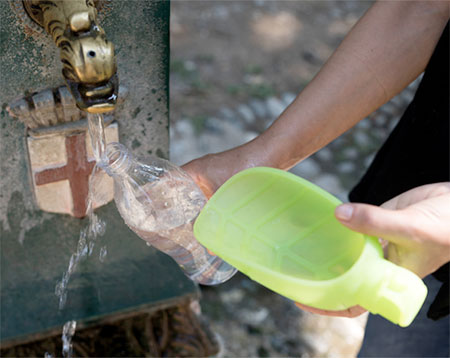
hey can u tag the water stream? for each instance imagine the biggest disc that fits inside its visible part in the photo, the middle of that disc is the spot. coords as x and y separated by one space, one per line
96 226
88 235
96 127
68 332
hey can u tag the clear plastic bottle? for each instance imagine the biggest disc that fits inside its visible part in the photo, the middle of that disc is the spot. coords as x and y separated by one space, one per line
160 202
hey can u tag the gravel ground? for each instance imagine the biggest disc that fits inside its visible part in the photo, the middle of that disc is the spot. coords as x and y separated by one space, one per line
236 65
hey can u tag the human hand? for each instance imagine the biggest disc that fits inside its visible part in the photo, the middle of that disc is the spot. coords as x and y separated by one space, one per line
212 170
208 173
414 227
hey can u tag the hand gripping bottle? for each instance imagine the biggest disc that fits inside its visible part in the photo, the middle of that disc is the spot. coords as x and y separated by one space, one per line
280 230
159 202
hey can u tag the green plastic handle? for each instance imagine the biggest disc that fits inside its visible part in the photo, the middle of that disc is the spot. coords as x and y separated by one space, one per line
393 291
280 230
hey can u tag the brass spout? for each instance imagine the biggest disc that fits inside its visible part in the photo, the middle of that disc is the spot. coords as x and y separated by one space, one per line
89 64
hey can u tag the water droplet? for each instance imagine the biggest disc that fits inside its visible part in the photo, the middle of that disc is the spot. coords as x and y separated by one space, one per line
72 264
62 299
68 332
103 253
58 289
91 247
101 227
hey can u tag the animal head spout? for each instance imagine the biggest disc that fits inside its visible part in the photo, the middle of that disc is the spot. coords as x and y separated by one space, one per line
89 64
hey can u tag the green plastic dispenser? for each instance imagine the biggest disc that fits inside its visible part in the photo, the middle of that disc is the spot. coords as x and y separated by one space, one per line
280 230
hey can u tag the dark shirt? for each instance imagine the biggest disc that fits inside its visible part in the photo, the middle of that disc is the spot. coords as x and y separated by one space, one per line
417 152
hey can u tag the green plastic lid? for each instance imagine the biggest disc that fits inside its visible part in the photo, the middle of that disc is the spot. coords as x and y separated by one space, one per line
280 230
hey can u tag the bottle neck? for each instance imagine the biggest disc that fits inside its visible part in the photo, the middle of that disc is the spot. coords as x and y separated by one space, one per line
118 160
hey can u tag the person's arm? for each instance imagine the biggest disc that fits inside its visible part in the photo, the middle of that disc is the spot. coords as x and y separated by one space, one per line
386 50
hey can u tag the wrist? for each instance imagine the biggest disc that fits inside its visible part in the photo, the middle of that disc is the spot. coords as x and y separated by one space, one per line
263 151
283 144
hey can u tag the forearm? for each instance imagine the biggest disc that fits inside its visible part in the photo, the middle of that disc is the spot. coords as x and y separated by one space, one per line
387 49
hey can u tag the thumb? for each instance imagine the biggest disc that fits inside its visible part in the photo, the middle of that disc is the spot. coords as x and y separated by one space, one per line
392 225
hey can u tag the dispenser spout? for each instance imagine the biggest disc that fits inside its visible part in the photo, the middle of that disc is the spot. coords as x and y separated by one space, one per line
89 64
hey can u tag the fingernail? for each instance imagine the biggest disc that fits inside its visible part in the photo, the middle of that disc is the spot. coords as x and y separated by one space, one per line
344 212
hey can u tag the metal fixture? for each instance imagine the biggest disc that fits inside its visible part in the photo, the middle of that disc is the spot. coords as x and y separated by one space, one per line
89 64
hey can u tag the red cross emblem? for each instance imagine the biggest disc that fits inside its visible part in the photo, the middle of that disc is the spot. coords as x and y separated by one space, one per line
77 171
61 165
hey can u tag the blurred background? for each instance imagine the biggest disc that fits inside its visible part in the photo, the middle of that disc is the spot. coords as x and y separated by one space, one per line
235 66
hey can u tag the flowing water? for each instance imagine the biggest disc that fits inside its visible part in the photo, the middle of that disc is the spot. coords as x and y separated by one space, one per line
68 332
96 127
88 235
96 226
